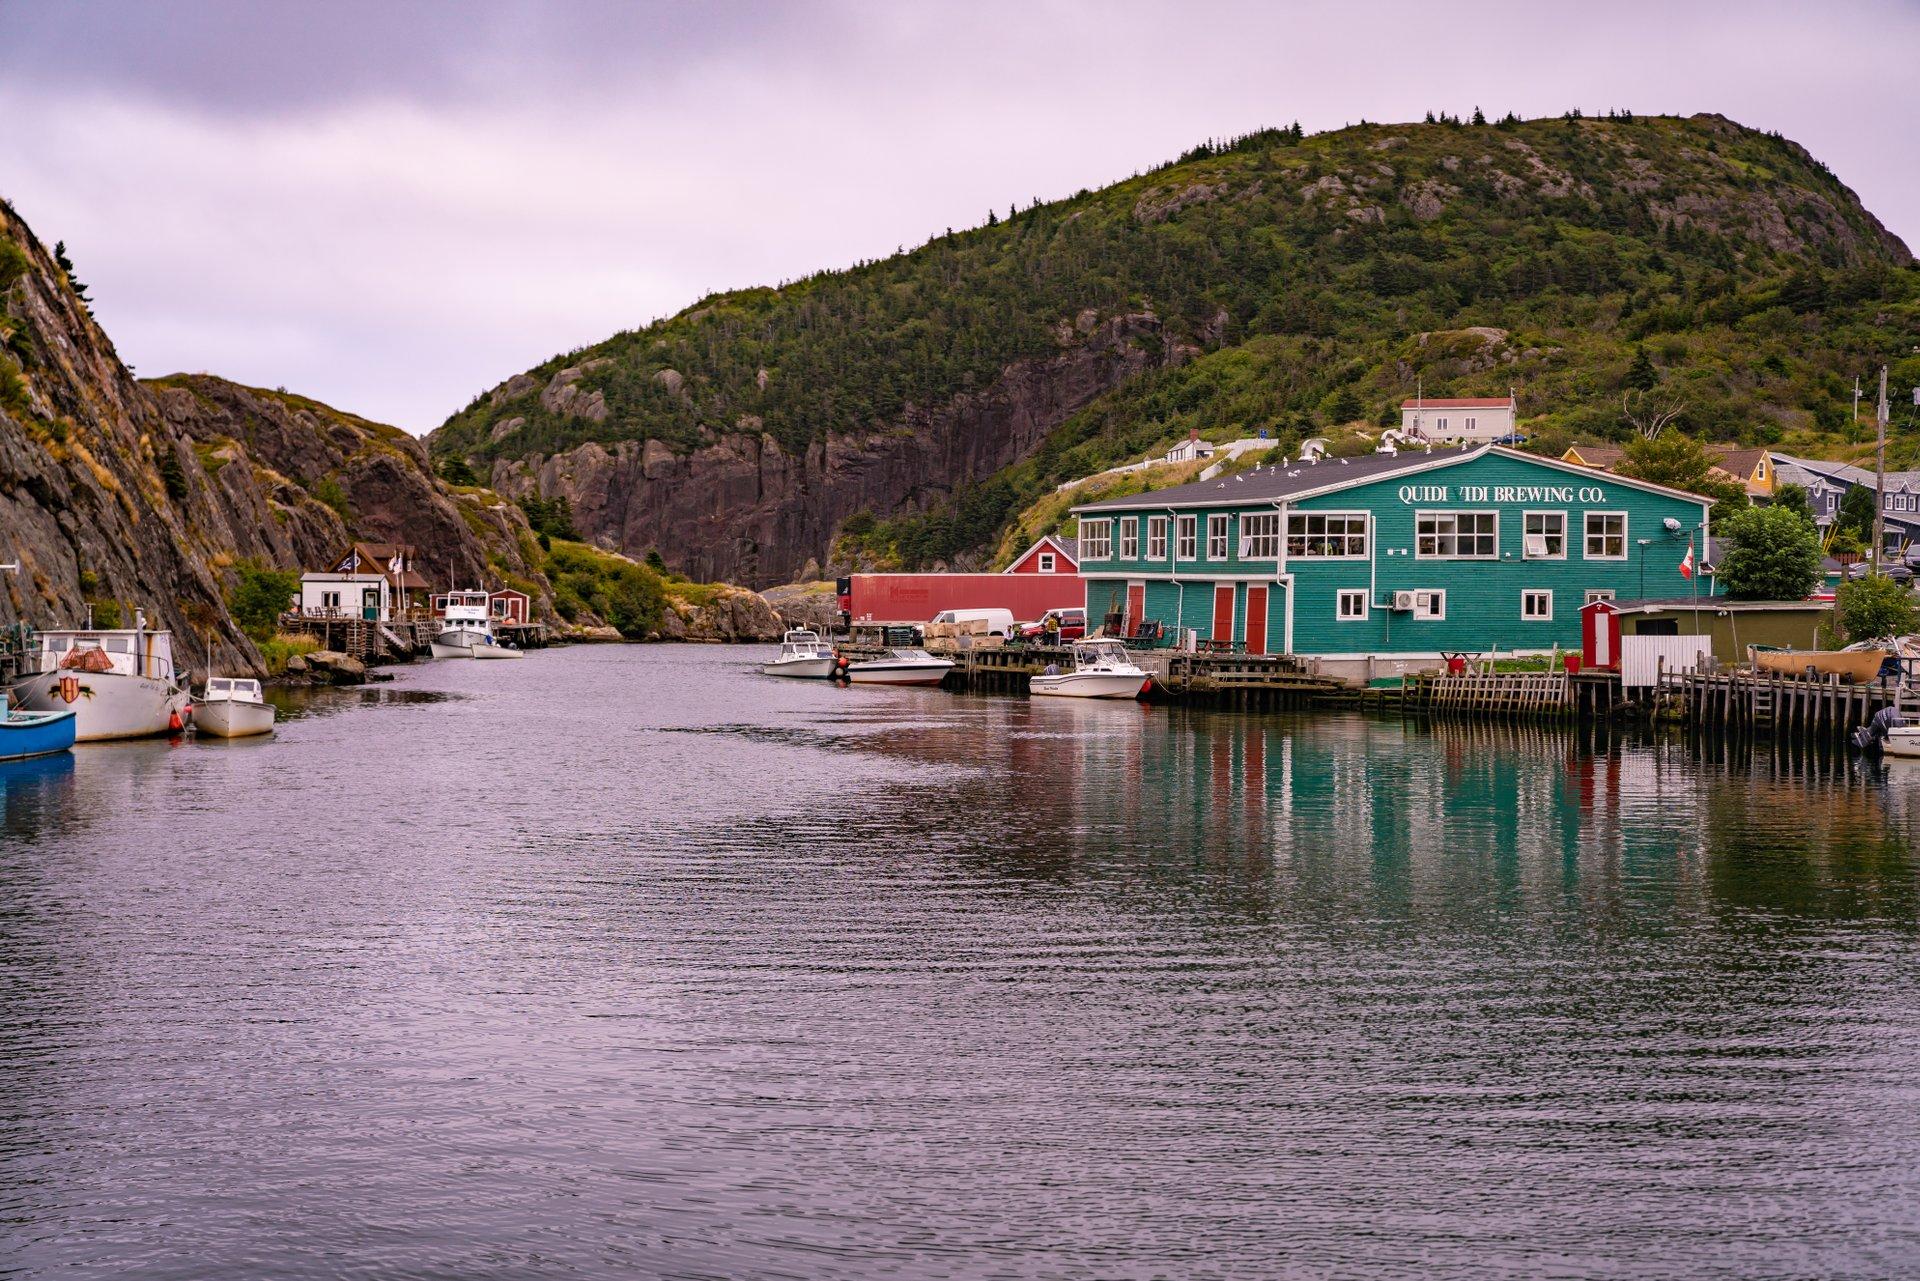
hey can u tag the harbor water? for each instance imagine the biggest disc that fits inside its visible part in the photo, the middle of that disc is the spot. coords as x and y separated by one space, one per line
631 961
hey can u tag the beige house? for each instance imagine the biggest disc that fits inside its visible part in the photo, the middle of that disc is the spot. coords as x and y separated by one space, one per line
1477 420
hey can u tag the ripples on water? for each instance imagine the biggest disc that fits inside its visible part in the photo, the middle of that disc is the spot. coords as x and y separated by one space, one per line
631 961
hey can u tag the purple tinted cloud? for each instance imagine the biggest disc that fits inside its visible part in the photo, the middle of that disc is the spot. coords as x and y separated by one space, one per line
394 206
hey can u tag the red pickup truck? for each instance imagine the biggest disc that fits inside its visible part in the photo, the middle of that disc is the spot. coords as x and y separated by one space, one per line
1073 625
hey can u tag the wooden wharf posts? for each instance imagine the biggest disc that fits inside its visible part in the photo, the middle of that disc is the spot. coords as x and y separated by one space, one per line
1493 695
1810 709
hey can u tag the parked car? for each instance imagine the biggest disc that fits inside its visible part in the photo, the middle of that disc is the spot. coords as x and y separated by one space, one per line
1073 625
1899 571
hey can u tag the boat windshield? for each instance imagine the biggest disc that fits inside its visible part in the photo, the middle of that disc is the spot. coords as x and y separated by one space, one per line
1091 653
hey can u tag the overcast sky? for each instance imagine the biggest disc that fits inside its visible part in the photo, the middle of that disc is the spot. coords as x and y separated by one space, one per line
392 206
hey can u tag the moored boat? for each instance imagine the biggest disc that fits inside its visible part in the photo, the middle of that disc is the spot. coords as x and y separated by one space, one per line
494 649
802 654
120 682
1857 665
231 707
464 624
1101 669
1902 741
900 667
24 735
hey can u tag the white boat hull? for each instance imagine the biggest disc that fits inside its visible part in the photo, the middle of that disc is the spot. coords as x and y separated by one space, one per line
1089 685
233 718
898 673
443 650
821 668
493 651
1903 742
110 705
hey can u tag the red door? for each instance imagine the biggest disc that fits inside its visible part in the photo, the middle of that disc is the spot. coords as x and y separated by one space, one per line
1256 619
1223 612
1136 606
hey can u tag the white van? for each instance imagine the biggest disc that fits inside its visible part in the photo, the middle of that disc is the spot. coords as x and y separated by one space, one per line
999 621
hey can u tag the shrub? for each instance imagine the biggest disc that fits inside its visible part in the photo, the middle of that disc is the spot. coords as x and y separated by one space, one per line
275 650
173 477
1771 554
330 493
259 596
1876 606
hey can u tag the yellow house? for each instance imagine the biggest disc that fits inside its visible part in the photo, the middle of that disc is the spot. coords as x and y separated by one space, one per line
1751 469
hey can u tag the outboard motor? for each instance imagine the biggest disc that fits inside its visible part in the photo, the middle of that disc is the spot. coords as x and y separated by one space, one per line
1870 736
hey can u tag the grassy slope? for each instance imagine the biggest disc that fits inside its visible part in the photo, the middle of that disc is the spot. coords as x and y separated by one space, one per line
1314 278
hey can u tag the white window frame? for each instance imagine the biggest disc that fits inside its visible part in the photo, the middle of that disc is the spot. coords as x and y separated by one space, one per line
1472 423
1357 595
1530 594
1456 513
1439 424
329 600
1587 536
1526 518
1251 525
1220 536
1186 536
1130 538
1600 593
1432 594
1047 562
1306 518
1156 538
1096 539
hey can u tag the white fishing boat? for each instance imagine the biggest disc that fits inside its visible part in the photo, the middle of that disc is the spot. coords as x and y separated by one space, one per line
120 682
494 649
1902 741
802 654
900 667
464 623
231 707
1101 669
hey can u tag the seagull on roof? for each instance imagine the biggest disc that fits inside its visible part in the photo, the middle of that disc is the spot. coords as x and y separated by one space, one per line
1293 473
1221 485
1343 462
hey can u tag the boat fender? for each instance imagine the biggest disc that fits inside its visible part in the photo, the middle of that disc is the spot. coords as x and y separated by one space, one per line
174 723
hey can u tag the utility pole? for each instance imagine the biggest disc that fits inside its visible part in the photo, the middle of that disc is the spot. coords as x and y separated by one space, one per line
1880 473
1856 403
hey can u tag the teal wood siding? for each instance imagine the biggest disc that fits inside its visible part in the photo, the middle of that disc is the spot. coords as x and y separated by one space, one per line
1483 596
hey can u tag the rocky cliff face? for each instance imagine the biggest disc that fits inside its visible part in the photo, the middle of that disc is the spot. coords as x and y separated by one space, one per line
744 509
122 495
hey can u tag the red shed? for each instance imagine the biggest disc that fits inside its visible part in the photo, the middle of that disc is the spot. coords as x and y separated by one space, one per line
916 598
509 607
1600 634
1051 555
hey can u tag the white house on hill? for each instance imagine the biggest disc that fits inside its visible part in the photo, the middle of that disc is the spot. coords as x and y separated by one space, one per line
1472 419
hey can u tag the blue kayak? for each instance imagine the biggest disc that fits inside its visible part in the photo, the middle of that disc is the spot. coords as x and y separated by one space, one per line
24 734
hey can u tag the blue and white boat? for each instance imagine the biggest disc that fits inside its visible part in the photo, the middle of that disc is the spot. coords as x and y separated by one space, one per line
24 735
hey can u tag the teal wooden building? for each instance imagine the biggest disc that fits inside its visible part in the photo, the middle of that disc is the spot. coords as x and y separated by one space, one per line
1390 556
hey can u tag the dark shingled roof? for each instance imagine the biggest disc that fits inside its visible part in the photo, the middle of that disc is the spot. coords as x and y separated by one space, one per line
1273 483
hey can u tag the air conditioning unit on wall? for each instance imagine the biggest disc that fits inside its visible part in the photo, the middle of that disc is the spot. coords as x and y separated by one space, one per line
1403 601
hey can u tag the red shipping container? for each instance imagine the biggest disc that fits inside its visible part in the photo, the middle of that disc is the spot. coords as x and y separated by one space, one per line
916 598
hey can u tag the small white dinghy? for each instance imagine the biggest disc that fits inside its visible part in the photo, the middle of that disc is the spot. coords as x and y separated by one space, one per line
802 654
900 667
230 707
1101 669
1902 741
494 649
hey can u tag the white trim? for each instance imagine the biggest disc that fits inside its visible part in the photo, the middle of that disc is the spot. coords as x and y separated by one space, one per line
1047 561
1599 593
1366 534
1128 531
1526 592
1419 617
1626 540
1106 536
1226 538
1192 520
1422 513
1524 535
1247 536
1166 525
1340 596
1242 575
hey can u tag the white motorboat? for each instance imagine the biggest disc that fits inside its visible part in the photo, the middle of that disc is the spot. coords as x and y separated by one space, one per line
464 624
230 707
900 667
121 682
803 654
1101 669
1903 741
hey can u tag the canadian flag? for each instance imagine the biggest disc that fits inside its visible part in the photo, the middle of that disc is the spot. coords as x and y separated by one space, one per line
1686 562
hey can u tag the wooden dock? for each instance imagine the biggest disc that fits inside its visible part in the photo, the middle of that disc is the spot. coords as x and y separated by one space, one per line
1808 709
395 641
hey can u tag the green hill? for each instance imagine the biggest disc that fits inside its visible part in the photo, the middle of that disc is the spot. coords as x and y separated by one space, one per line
1280 282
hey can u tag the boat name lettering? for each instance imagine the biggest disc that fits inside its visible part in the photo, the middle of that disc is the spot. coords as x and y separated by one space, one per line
1502 494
